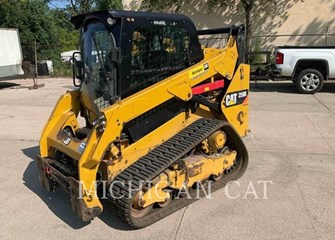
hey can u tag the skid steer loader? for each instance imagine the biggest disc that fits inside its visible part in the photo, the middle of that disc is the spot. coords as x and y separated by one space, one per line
161 114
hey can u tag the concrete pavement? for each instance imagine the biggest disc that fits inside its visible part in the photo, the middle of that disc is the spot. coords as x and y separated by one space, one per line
292 144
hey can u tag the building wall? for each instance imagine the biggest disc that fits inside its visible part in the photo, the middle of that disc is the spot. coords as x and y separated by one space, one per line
288 22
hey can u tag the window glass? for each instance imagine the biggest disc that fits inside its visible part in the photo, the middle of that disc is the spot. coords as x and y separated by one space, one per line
100 82
157 52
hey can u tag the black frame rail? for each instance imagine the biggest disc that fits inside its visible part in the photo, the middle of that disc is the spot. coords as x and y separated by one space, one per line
235 31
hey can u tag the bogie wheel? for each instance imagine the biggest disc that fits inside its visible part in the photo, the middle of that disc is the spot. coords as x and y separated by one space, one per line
309 81
218 177
167 201
136 210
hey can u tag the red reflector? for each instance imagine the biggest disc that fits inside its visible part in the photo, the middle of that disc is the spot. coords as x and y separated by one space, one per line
207 87
279 58
47 170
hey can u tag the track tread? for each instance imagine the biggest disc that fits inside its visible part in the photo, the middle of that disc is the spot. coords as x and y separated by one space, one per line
157 161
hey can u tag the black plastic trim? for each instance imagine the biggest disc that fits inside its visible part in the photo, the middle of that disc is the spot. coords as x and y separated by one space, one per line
312 60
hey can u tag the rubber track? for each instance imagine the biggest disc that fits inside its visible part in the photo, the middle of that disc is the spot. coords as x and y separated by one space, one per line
155 162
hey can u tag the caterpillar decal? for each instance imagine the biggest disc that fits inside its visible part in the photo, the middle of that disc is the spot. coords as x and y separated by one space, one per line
236 98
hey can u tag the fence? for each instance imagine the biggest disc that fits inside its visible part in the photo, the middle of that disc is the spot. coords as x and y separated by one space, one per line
35 53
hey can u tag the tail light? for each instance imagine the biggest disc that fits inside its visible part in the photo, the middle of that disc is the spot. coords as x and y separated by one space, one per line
279 58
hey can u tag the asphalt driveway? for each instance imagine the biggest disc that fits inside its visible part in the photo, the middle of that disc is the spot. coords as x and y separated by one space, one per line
292 153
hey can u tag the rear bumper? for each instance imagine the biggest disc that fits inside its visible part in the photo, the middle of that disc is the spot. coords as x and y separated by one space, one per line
50 178
277 73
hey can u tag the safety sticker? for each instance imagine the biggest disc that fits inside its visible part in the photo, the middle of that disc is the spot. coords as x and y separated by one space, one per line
82 147
198 71
236 98
67 141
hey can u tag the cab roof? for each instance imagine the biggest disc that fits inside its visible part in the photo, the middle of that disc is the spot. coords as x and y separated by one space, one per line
79 20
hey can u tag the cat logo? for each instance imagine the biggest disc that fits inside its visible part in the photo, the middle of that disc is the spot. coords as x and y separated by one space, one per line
236 98
206 66
231 99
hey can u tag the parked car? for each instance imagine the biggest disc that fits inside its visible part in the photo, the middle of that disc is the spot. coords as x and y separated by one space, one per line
68 56
307 67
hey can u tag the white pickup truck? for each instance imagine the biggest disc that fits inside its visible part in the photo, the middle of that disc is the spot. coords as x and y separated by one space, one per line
308 67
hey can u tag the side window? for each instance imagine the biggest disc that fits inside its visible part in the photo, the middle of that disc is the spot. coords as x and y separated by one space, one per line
97 50
157 52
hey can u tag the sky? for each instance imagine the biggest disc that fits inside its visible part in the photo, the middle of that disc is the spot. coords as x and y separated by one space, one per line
57 3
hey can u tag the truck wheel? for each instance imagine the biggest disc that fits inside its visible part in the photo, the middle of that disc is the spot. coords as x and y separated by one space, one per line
309 81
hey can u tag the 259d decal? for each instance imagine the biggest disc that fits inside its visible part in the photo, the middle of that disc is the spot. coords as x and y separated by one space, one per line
236 98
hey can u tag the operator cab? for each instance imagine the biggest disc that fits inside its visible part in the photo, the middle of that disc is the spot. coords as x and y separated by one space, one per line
124 52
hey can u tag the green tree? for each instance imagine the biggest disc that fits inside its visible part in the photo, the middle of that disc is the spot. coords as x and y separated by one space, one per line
76 7
34 21
67 36
50 27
